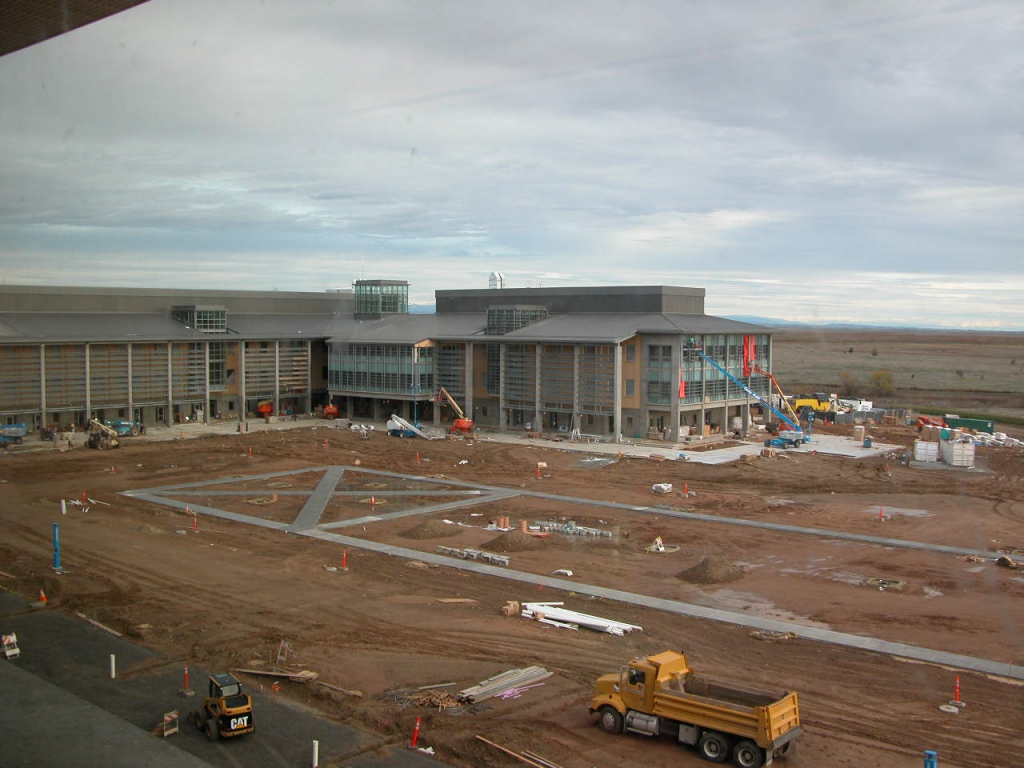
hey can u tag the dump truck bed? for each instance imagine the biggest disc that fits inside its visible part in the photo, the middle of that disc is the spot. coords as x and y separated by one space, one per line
762 716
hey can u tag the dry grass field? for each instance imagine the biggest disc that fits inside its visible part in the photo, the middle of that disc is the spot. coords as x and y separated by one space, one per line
963 372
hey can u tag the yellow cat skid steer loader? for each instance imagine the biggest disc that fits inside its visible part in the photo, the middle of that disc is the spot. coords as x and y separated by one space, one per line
227 711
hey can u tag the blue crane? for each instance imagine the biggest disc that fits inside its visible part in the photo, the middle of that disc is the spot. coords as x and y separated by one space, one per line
788 438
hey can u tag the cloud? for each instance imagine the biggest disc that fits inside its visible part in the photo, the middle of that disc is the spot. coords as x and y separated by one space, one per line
832 147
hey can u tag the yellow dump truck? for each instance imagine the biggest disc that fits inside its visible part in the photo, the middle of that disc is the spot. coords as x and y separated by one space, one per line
660 694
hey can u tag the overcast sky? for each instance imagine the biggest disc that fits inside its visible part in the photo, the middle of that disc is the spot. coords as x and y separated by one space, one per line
813 161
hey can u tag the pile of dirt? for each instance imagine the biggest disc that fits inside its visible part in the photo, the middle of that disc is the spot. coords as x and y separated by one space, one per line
716 569
513 541
148 528
431 529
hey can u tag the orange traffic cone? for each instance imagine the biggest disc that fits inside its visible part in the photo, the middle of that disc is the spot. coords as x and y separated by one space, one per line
42 597
85 497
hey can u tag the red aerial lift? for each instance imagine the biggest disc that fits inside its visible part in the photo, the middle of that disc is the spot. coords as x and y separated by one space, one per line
460 424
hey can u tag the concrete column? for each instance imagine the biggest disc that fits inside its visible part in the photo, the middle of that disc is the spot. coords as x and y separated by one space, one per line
702 414
309 377
88 384
241 381
575 421
169 416
536 387
502 416
726 425
617 409
42 382
131 399
674 399
350 403
206 383
470 352
277 378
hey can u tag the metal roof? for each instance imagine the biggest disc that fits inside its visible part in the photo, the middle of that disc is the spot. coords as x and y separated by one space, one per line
99 327
407 329
616 327
593 328
596 328
27 22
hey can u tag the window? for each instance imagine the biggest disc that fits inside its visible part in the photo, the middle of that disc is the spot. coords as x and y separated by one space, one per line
659 374
630 353
630 388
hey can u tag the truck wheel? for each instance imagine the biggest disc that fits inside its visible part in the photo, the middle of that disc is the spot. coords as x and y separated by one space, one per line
211 729
746 754
611 720
713 747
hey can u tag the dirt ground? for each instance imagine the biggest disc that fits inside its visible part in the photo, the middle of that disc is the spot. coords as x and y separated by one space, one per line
973 372
225 597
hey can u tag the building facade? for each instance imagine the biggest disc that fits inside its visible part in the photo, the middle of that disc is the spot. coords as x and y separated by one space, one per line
613 362
159 356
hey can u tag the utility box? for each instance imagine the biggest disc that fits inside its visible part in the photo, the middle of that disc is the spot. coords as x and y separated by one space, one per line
926 451
957 454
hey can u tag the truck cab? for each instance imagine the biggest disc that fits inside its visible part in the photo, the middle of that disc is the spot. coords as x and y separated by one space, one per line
661 695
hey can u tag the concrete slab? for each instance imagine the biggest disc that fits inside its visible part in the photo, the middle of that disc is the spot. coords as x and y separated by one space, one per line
833 445
41 724
62 677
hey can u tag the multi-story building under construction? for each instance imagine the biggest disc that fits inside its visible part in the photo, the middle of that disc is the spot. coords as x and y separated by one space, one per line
613 362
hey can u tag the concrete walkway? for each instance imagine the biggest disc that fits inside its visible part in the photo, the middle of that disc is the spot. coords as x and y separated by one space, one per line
491 493
834 445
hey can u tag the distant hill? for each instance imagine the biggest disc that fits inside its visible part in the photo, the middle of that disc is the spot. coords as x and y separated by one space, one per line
775 322
779 323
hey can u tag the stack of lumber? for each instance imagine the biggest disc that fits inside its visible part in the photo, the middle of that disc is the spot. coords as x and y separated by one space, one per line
550 613
514 678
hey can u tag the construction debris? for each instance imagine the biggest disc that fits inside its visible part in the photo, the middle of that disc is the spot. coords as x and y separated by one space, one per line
530 758
492 686
550 613
437 699
346 691
771 636
96 624
571 529
1006 561
472 554
305 676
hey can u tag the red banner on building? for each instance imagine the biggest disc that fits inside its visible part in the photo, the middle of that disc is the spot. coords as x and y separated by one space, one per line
749 354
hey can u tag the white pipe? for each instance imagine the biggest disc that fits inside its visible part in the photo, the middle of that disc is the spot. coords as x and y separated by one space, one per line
316 753
113 667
